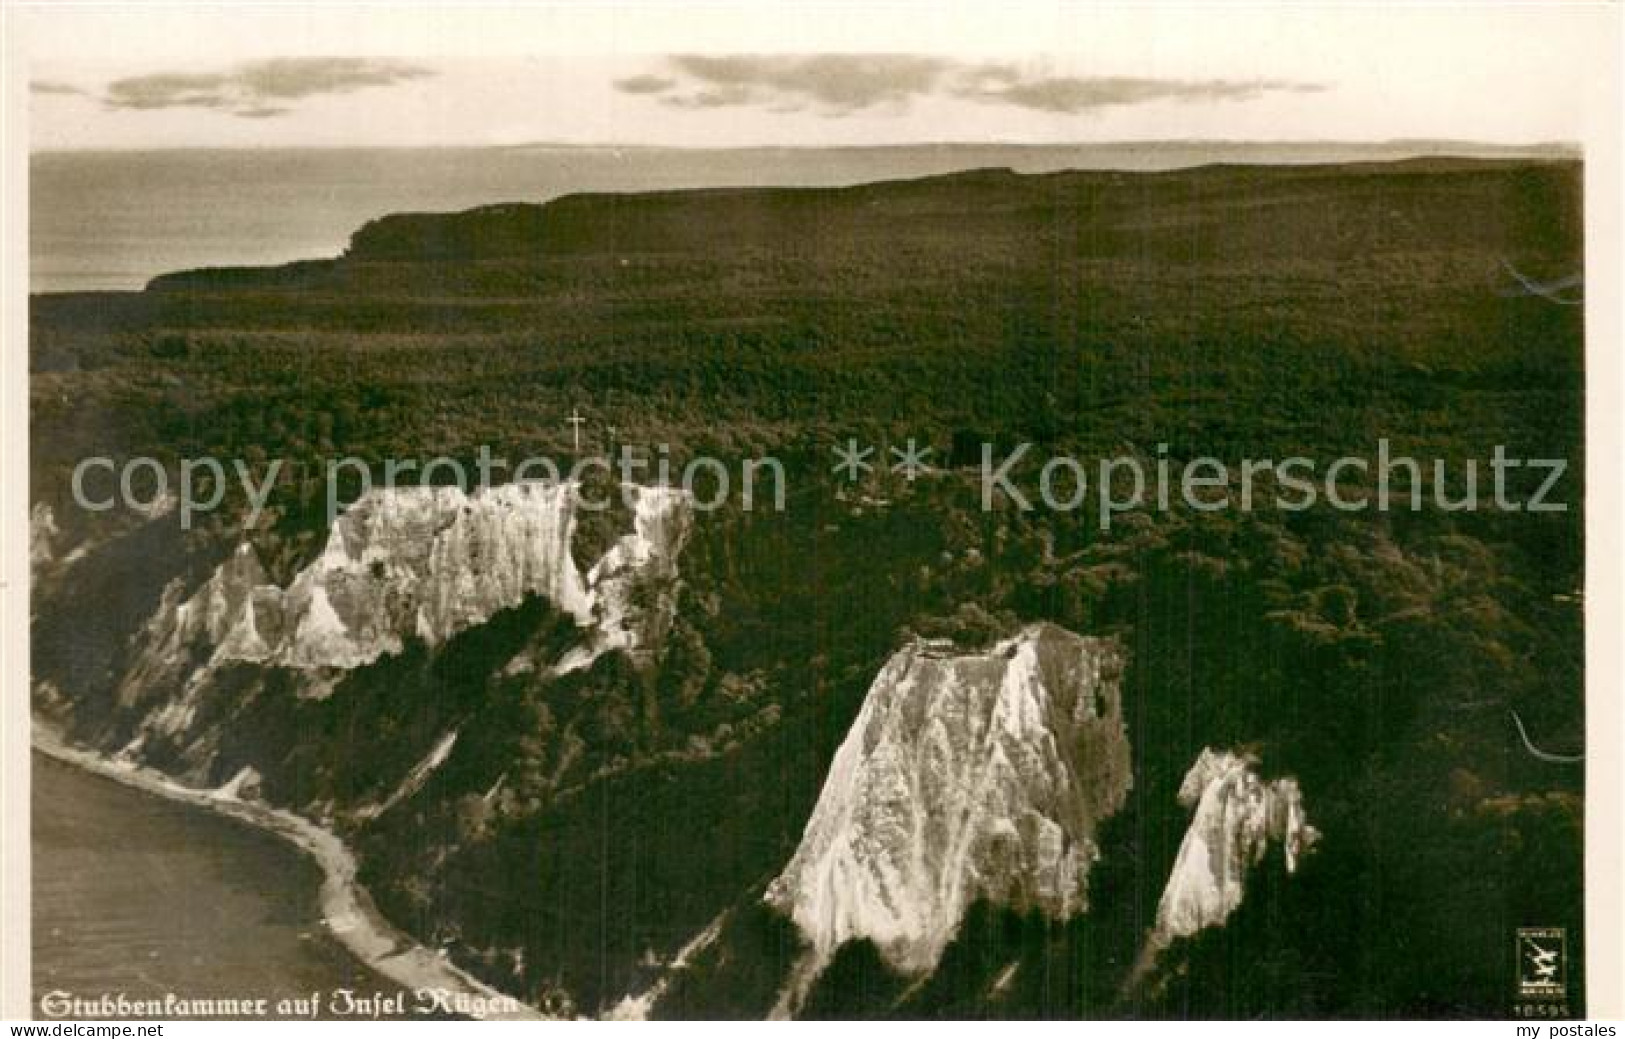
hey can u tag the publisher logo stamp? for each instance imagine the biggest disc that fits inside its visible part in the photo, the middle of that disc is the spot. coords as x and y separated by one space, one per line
1542 963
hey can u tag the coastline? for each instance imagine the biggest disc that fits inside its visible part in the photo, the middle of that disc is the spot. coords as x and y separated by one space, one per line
348 912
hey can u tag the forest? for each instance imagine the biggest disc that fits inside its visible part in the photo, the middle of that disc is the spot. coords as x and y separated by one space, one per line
1230 312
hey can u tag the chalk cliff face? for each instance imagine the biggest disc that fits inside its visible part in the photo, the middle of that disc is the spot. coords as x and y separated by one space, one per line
431 562
428 562
966 776
417 562
1237 817
42 534
185 636
643 561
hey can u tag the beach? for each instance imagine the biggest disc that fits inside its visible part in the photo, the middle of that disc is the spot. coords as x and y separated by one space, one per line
433 985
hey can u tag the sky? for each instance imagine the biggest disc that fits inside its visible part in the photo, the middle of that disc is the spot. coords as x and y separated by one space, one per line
804 76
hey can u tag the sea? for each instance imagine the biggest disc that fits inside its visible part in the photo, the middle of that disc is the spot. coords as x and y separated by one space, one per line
115 219
147 898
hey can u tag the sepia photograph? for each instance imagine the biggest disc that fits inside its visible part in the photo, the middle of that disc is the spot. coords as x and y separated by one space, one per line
811 512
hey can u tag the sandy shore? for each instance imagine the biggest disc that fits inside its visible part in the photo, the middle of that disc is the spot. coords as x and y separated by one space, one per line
347 909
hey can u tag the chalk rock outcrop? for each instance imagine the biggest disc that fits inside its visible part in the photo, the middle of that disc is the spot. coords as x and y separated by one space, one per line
1237 817
966 776
428 562
217 622
631 589
425 563
42 534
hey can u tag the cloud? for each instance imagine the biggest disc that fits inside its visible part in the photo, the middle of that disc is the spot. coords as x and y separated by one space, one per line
846 82
840 84
1076 94
259 90
262 112
169 90
294 78
644 84
51 86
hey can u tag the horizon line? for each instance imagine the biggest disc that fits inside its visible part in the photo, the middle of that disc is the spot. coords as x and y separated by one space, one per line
1572 147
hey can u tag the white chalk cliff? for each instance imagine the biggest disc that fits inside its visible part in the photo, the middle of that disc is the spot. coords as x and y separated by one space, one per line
415 562
1237 817
645 559
428 562
42 534
966 776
